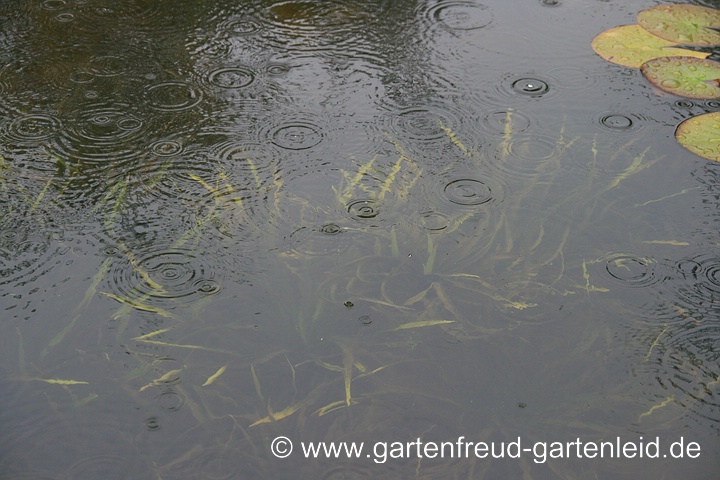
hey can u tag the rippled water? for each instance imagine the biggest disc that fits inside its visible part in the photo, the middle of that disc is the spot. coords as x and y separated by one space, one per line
371 221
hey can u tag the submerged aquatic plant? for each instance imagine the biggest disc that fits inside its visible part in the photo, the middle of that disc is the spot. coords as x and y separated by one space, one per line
682 72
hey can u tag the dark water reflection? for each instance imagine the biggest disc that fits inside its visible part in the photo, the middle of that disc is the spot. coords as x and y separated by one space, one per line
368 221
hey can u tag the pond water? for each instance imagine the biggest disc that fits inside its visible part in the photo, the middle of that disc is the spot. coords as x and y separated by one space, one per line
229 225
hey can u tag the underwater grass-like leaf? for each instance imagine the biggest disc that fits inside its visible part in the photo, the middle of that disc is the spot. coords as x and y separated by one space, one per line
684 76
453 138
139 306
347 373
168 377
685 24
80 309
423 323
331 407
701 135
59 381
668 401
638 165
276 416
632 45
214 376
153 334
188 346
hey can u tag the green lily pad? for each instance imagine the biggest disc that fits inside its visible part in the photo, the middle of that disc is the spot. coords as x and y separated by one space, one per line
684 76
701 135
686 24
631 46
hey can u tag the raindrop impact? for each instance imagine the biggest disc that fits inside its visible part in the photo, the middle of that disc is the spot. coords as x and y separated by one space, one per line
243 27
505 121
468 191
296 135
363 209
207 287
434 221
65 17
152 424
684 104
330 229
701 288
277 69
421 123
54 4
25 254
307 14
632 271
616 121
532 87
166 148
528 155
173 96
163 277
102 133
235 77
107 125
318 241
170 401
461 15
32 128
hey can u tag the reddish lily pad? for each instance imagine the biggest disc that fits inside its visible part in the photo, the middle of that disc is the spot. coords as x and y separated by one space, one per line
684 76
631 46
685 24
701 135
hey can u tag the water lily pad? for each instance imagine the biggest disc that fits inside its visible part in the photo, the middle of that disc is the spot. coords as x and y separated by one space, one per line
701 135
631 46
686 24
684 76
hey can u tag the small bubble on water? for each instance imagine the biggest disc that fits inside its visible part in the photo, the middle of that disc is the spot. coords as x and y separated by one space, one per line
530 86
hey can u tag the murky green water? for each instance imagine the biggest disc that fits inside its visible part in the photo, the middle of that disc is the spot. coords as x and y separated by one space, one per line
373 221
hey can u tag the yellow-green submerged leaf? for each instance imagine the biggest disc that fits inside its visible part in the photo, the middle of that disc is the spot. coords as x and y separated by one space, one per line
276 416
331 407
684 76
676 243
170 376
138 306
214 376
701 135
153 334
84 401
685 24
668 401
631 46
423 323
58 381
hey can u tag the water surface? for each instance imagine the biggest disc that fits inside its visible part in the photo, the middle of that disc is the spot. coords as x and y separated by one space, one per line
376 221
